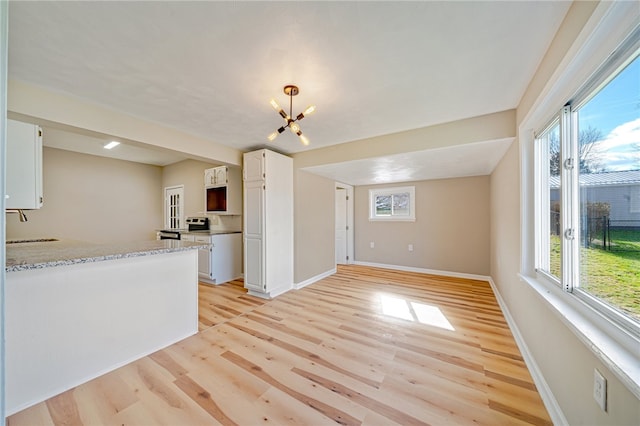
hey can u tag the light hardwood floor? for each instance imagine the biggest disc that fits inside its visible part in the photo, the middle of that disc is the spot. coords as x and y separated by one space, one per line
354 348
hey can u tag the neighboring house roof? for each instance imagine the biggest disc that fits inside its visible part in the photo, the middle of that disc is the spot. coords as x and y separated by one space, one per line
629 177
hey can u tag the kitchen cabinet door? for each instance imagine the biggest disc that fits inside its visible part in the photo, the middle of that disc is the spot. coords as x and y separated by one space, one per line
253 236
216 176
204 257
220 177
209 177
226 257
24 166
254 166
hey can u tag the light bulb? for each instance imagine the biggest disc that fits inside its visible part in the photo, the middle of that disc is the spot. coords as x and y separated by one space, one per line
295 128
310 109
275 105
304 140
273 135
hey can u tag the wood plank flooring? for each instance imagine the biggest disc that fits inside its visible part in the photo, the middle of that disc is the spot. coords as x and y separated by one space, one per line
355 348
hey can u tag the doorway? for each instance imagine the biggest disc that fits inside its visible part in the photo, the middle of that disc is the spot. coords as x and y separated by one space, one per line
174 207
344 224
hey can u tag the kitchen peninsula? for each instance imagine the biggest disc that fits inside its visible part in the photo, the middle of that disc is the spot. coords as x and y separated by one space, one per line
75 311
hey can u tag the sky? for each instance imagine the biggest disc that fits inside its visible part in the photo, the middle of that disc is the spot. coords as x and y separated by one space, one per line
615 111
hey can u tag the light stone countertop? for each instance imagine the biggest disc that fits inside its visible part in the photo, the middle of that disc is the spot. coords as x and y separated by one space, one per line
24 256
211 232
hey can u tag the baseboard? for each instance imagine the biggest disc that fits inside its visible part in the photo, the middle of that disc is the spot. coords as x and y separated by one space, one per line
550 402
312 280
424 270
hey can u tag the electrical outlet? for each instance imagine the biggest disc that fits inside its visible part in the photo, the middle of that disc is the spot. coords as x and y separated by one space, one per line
372 245
410 247
600 389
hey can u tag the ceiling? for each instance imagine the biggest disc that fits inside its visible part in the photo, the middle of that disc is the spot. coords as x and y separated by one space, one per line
94 145
209 69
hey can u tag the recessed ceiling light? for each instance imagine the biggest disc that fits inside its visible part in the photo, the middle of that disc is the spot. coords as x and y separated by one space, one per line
111 144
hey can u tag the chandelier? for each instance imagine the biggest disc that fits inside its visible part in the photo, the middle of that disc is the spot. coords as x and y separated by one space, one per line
291 90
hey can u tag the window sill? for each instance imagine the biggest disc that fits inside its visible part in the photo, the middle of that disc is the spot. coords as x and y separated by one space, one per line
618 350
390 219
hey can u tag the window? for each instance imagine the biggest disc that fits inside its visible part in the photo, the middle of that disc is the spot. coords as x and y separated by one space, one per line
395 204
587 173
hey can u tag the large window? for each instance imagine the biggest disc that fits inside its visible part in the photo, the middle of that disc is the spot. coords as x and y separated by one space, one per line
588 181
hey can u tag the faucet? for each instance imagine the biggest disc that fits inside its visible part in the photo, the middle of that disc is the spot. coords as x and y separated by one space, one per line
23 217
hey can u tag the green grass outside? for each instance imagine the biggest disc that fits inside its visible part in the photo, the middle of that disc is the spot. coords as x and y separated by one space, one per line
611 275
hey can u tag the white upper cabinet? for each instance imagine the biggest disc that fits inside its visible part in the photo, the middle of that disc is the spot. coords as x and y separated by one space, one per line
216 176
24 165
223 190
254 166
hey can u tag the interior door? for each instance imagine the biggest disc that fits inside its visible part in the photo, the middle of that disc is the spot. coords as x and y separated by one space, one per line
174 207
341 226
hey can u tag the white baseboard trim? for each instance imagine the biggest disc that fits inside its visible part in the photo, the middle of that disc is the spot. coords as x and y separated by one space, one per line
312 280
424 270
550 402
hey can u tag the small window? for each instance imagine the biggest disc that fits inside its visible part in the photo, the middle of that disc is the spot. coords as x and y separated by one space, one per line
395 204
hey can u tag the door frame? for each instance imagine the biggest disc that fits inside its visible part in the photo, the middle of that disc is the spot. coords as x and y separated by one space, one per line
350 230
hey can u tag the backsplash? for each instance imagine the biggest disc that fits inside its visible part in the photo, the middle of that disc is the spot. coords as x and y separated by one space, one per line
225 222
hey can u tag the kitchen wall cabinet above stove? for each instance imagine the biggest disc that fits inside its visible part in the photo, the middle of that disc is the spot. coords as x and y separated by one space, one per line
223 190
216 176
24 165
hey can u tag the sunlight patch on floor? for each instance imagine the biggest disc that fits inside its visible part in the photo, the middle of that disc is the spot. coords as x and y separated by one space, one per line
398 307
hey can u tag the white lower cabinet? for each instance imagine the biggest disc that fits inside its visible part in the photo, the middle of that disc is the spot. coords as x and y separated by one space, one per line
222 260
204 258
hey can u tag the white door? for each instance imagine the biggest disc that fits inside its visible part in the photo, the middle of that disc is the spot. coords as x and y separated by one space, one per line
341 226
174 207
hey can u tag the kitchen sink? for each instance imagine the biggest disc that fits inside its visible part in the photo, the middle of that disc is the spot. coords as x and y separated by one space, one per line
36 240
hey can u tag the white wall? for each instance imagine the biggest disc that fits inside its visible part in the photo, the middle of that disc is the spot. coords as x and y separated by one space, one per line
93 199
450 233
190 174
565 363
314 226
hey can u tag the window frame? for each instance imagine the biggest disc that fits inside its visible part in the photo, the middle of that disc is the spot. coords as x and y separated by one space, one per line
375 192
569 194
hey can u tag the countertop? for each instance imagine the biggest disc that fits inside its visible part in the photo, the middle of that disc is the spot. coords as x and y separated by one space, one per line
207 232
210 232
45 253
